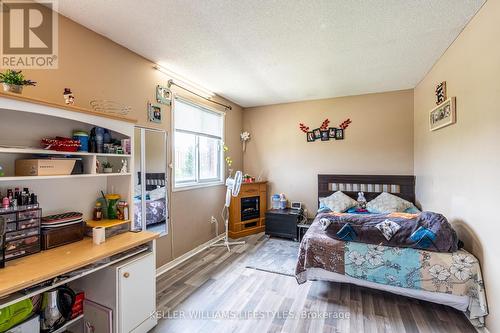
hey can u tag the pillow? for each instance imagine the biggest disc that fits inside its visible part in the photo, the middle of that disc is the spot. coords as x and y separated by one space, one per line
388 228
157 194
413 210
338 202
387 203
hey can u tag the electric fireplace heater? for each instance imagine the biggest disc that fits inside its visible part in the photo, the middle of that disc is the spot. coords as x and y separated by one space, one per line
250 208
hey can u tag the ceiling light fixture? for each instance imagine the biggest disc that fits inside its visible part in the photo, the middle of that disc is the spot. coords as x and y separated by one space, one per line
180 80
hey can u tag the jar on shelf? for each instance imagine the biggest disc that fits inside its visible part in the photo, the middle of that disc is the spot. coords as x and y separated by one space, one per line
97 216
275 200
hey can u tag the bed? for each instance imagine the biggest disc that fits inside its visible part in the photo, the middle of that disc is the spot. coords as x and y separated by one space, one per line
156 203
449 278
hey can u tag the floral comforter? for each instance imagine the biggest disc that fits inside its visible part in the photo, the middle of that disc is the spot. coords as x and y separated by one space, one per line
456 273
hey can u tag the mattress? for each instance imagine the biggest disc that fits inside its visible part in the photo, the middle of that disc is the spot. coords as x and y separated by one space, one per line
456 301
412 272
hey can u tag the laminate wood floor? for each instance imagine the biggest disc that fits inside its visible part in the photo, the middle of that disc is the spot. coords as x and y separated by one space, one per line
214 292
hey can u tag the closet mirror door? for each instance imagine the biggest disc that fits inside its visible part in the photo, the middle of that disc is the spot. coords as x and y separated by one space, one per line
151 210
138 167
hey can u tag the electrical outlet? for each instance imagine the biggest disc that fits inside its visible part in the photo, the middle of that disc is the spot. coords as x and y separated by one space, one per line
213 220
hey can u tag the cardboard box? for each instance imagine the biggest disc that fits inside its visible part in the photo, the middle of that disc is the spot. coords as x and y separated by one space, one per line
47 167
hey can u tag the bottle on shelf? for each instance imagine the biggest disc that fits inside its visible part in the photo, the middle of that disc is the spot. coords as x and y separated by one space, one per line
97 215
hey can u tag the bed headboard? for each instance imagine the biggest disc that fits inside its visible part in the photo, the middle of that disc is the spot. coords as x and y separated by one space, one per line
153 180
371 185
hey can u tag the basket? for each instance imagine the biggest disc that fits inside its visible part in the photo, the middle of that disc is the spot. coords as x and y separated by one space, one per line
61 144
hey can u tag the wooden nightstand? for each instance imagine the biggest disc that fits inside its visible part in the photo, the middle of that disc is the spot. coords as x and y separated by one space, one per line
282 223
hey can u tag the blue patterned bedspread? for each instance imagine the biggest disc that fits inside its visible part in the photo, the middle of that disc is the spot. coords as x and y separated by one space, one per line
456 273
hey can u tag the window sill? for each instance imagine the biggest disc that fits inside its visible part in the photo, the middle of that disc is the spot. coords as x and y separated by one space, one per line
196 186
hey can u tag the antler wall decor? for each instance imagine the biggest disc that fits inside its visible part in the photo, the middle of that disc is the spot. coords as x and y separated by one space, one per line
324 132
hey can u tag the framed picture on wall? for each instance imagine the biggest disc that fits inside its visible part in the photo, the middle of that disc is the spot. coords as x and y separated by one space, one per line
154 113
443 115
317 133
339 134
324 135
163 95
440 93
310 137
332 132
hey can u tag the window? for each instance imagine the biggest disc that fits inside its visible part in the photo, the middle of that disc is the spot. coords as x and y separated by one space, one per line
198 134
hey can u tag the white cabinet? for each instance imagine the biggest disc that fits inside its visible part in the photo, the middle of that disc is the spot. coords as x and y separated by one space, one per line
136 292
128 289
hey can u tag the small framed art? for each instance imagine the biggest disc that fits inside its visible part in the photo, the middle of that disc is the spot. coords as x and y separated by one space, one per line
331 132
441 93
339 134
163 95
324 135
317 133
310 137
443 115
154 113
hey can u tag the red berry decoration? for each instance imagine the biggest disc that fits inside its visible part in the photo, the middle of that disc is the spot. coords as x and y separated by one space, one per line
304 128
345 124
324 125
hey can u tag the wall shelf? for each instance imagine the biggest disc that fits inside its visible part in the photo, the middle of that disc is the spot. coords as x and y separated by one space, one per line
21 178
37 151
72 108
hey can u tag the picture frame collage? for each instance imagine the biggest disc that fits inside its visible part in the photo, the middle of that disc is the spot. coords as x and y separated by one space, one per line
332 133
163 96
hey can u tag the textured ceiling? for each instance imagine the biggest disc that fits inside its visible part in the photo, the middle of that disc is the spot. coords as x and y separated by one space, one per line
259 52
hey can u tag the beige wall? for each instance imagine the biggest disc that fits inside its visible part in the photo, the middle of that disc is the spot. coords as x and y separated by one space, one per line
96 68
379 141
457 166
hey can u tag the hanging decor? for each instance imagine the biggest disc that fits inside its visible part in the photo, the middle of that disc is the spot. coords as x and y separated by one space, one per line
443 115
324 132
163 95
154 113
441 93
245 136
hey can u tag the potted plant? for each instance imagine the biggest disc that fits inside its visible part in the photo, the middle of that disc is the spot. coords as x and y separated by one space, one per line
107 167
13 81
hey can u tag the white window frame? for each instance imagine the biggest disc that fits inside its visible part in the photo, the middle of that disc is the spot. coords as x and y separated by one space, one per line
197 183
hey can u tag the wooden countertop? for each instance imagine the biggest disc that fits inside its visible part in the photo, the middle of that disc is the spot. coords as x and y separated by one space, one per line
24 272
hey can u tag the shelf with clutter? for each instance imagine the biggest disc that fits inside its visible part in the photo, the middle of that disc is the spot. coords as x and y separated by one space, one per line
69 160
65 173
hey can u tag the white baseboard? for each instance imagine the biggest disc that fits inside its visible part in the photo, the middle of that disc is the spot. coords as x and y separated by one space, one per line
177 261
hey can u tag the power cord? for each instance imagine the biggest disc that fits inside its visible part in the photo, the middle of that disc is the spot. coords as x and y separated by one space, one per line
303 217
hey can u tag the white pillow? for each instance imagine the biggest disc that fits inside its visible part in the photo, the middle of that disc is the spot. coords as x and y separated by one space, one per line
387 203
338 202
157 194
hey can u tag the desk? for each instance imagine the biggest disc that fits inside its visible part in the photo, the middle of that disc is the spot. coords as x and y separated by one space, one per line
24 272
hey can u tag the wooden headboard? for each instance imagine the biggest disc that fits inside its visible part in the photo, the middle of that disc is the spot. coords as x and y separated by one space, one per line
371 185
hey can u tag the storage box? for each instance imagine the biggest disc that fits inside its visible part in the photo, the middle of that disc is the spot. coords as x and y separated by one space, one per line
44 167
22 235
54 237
22 247
111 227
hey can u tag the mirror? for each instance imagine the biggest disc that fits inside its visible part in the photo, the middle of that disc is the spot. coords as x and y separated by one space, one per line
150 180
